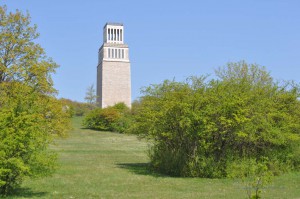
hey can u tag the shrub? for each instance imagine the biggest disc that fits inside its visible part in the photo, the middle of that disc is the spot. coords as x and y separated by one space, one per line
28 123
254 175
199 127
114 118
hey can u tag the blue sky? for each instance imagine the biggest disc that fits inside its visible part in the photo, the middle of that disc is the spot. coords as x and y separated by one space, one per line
167 39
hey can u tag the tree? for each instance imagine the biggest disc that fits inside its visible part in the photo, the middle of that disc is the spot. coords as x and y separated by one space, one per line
203 128
90 95
30 115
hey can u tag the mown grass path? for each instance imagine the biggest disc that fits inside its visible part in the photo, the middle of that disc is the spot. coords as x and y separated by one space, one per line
109 165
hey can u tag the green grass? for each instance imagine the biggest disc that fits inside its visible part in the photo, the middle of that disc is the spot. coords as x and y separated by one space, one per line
109 165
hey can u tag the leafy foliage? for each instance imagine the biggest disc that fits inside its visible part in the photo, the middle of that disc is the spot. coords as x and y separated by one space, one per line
76 108
199 127
30 116
113 118
255 175
21 59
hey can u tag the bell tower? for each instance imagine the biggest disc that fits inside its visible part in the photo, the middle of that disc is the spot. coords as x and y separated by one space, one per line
113 70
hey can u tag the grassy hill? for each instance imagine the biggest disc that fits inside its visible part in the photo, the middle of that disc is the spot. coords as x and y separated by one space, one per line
109 165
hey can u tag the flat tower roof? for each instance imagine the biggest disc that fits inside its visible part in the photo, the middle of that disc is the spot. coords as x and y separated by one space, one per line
113 24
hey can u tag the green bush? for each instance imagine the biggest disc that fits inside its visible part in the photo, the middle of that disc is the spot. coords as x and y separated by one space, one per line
114 118
28 123
199 127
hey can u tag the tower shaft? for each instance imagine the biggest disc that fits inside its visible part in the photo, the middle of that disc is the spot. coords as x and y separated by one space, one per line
113 71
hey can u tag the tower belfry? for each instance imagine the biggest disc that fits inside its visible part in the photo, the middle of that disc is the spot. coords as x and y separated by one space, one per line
113 70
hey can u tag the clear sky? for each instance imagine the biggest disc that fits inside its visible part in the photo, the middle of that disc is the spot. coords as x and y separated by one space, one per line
167 38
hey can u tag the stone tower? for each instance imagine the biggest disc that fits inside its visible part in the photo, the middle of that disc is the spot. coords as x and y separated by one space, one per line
113 71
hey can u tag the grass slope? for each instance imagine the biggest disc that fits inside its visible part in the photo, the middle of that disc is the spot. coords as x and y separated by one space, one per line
109 165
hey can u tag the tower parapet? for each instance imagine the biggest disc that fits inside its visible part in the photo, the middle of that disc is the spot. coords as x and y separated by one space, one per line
113 33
